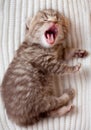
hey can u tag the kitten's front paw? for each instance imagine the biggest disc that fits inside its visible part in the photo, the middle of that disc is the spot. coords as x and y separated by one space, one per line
80 53
70 92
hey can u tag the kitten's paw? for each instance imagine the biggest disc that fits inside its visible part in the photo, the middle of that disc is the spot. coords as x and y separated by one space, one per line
70 92
77 67
80 53
65 109
70 107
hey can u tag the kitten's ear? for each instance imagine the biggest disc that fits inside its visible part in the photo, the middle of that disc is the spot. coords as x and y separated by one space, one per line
28 24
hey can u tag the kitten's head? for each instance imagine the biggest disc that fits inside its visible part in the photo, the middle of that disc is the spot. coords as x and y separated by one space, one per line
47 28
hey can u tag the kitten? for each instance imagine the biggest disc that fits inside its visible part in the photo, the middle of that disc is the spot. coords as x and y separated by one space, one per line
27 90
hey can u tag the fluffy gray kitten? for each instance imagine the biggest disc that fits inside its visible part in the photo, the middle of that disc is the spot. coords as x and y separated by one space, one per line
27 90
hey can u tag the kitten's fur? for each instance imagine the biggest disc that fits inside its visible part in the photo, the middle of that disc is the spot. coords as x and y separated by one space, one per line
27 89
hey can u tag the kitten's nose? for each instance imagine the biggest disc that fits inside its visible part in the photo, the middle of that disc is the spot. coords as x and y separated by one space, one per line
52 19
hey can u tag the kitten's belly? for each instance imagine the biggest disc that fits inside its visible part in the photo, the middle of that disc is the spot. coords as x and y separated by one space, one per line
48 83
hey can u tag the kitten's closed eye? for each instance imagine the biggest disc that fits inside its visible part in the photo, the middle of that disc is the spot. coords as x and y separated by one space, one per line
44 19
45 16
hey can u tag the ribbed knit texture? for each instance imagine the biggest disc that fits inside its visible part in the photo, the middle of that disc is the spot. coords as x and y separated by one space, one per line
13 15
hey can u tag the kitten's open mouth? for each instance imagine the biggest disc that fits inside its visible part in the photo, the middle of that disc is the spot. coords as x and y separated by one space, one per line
51 34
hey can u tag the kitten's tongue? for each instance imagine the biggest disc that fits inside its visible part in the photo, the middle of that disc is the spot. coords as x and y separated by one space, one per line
50 38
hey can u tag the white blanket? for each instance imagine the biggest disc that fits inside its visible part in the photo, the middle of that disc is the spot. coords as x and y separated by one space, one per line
13 14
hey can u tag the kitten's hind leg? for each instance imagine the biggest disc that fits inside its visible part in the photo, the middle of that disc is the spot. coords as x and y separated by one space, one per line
61 111
53 103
